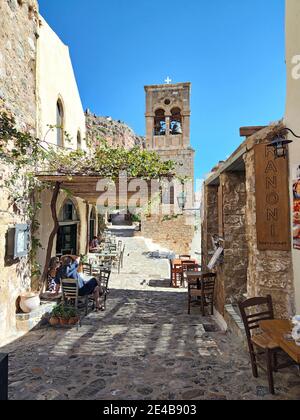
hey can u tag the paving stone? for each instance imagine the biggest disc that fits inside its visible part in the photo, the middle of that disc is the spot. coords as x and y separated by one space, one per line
143 346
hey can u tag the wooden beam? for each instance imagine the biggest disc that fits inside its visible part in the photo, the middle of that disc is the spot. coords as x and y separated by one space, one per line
249 131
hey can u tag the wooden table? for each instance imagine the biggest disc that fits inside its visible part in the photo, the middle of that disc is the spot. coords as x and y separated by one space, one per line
177 270
277 330
194 277
179 262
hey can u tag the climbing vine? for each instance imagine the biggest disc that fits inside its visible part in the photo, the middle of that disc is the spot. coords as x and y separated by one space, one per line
26 157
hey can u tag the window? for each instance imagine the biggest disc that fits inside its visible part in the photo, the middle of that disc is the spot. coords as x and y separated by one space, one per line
60 123
160 123
176 121
79 145
168 195
68 212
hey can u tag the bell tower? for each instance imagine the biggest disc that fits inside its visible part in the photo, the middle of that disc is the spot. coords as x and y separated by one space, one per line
168 116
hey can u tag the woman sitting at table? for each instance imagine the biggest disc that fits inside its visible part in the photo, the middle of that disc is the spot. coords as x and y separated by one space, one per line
52 272
94 245
87 286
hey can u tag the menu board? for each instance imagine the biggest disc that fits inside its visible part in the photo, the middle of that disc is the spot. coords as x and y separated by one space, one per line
296 208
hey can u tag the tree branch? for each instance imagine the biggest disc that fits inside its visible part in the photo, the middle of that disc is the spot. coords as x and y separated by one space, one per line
52 234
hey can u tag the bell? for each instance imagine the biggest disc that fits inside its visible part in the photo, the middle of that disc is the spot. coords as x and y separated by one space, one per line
177 128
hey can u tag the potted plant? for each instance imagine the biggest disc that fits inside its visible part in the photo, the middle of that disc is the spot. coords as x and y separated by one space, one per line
64 315
55 316
73 320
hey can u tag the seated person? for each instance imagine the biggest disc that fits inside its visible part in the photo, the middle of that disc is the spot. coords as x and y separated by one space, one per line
52 271
69 270
94 244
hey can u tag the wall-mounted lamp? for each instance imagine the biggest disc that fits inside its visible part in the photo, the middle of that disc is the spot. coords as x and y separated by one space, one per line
280 143
182 200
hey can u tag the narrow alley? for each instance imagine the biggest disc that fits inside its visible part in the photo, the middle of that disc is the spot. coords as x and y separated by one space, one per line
144 346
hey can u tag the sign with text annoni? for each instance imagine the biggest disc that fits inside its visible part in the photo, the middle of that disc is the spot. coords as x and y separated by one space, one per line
272 201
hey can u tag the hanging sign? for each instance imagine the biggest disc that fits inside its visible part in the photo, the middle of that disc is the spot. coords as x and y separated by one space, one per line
272 201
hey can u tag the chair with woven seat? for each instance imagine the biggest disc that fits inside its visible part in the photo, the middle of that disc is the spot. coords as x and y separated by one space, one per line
202 289
70 294
251 319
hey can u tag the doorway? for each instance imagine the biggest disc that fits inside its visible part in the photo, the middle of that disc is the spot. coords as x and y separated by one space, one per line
67 235
66 240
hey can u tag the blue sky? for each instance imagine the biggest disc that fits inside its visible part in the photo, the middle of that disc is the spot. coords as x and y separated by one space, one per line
232 51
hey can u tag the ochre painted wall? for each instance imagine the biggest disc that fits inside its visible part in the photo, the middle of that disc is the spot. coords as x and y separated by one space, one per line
292 114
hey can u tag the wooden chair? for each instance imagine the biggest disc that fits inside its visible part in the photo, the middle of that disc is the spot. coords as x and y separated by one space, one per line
177 275
70 294
261 341
203 289
87 269
121 259
104 281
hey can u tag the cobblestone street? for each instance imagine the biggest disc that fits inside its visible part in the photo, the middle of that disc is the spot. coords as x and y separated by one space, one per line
144 346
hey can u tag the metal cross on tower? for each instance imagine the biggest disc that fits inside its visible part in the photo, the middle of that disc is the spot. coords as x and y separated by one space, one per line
168 80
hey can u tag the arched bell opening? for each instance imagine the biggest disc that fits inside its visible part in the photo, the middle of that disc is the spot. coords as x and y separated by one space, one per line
176 122
160 123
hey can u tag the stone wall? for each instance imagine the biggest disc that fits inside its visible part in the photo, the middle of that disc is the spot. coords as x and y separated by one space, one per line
173 234
232 274
269 272
209 222
210 227
184 159
160 232
19 25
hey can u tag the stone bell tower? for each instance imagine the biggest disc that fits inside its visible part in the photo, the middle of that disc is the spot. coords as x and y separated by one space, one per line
168 134
168 124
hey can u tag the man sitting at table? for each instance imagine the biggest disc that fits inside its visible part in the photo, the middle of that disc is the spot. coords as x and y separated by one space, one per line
87 286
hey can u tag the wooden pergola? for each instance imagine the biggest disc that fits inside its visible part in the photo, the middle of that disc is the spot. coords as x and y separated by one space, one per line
95 190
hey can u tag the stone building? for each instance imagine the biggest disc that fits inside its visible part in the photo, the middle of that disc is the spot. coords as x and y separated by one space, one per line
18 44
249 202
168 133
38 87
59 104
245 204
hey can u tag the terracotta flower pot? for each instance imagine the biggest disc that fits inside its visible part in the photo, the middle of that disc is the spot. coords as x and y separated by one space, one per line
29 302
73 321
64 321
53 321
